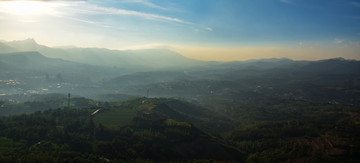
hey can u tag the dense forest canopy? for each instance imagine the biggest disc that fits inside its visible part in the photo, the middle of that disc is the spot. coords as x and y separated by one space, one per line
158 129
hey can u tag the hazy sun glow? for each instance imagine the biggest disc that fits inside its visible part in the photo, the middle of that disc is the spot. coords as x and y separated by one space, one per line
27 8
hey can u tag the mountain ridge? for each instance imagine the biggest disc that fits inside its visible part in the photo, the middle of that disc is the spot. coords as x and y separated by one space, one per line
139 60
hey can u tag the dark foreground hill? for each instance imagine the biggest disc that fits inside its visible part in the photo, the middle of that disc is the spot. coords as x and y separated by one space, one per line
149 132
163 130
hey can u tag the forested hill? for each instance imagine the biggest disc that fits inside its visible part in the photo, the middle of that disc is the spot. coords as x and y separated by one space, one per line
144 129
162 130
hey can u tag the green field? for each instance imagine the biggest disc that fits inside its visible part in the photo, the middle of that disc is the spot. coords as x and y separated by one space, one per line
120 116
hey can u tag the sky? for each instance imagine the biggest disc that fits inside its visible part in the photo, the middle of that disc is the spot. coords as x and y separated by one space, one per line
219 30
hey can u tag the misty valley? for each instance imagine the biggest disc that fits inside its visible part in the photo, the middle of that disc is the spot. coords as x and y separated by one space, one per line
72 104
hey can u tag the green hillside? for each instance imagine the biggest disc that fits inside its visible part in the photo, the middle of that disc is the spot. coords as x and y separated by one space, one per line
130 131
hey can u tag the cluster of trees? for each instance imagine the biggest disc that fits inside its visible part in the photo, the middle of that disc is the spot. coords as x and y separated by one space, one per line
70 135
274 130
269 130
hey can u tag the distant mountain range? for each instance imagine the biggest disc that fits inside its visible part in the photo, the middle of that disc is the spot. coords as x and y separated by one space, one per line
33 61
152 59
94 71
137 60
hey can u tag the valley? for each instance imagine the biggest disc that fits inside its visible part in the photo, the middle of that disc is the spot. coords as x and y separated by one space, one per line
269 110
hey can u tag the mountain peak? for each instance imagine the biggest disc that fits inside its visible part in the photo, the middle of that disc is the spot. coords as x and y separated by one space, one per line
24 45
28 41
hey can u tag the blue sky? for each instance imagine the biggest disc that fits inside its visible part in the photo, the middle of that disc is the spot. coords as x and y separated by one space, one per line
201 29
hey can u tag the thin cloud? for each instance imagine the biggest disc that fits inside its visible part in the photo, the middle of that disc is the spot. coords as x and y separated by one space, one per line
84 21
92 22
145 3
75 8
41 0
26 0
209 29
87 8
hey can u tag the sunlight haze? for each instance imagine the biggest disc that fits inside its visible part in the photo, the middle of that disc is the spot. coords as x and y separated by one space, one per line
196 81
